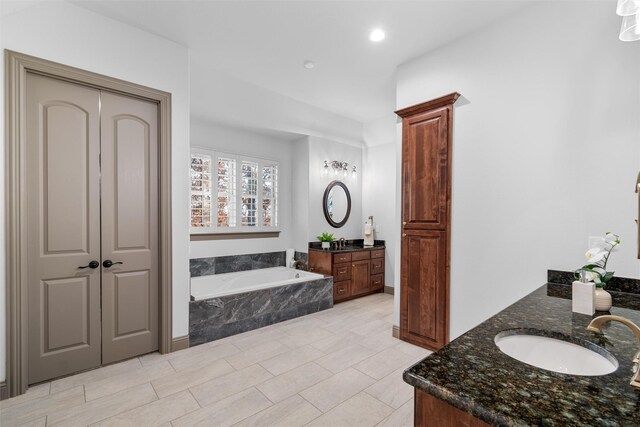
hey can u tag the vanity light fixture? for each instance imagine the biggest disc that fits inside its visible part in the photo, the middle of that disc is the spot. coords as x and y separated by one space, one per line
630 12
354 174
337 166
376 35
628 7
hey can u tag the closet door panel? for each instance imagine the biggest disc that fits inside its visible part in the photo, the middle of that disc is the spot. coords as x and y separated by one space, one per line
129 226
63 227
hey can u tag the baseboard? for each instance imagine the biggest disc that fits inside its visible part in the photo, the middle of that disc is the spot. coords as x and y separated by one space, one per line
180 343
4 391
395 331
389 290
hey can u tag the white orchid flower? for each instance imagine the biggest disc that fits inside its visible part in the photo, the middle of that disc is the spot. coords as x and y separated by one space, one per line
594 255
591 276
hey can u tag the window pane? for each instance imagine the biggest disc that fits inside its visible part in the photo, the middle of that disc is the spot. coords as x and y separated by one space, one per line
269 195
200 190
249 193
226 182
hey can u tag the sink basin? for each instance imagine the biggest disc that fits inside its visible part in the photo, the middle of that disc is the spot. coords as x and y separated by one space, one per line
555 354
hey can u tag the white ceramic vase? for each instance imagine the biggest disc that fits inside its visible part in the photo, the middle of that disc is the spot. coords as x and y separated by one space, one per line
603 300
326 245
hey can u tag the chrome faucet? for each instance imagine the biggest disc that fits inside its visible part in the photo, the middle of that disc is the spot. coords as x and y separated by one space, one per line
342 243
596 326
300 265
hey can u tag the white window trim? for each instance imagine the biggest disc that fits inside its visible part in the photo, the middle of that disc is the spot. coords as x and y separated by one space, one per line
239 228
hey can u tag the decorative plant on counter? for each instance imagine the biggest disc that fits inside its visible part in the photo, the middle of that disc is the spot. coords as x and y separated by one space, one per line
326 239
598 258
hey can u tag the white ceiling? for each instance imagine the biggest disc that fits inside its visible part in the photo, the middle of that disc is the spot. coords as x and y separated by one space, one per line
266 42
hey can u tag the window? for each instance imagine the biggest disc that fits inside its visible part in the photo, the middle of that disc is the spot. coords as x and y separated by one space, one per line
232 193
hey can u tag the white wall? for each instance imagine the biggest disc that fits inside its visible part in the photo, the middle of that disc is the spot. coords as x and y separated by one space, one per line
321 149
545 152
237 141
300 194
73 36
379 199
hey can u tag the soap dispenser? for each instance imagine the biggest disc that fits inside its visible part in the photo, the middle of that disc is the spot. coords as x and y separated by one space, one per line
583 295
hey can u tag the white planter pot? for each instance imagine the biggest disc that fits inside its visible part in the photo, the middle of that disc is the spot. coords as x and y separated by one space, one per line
603 300
326 245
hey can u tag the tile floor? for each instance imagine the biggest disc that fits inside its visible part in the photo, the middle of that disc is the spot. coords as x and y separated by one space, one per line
339 367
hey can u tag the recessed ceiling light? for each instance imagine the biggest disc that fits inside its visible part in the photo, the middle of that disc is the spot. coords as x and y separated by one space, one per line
376 35
309 64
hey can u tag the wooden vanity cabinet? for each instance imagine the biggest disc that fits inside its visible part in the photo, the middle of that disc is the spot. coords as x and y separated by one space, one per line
429 411
355 273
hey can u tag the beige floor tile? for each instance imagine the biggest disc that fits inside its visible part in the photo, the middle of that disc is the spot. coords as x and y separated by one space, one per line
392 390
227 385
283 386
401 417
190 377
40 422
333 391
226 412
103 408
203 358
337 342
151 358
34 392
373 327
293 412
342 359
417 353
94 375
384 363
380 340
257 354
252 339
291 359
361 410
34 409
155 413
97 389
303 335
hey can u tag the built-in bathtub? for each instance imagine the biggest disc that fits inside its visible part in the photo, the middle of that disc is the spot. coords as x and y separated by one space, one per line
228 304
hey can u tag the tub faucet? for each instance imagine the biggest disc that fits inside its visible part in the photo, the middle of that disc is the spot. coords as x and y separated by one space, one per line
596 326
300 265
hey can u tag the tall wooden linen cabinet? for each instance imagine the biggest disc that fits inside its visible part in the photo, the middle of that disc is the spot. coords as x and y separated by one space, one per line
426 221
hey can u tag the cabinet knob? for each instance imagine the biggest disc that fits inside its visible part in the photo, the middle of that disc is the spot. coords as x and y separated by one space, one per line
404 222
404 234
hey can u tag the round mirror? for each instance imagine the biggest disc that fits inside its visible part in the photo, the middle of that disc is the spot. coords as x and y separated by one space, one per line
337 204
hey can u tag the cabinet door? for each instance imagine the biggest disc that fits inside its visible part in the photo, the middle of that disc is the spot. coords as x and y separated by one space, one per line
360 283
424 296
425 170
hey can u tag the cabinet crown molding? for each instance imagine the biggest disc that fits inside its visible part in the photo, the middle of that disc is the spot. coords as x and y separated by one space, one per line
429 105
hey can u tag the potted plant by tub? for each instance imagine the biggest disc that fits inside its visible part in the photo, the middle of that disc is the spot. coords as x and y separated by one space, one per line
597 269
326 239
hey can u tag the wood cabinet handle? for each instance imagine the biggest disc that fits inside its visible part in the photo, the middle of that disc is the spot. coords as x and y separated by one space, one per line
342 271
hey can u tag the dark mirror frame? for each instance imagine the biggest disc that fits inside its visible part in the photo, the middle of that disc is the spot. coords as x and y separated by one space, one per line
330 220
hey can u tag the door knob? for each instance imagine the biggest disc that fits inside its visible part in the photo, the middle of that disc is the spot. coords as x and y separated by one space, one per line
92 264
108 263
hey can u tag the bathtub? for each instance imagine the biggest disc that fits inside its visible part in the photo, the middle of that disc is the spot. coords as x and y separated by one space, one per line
231 303
219 285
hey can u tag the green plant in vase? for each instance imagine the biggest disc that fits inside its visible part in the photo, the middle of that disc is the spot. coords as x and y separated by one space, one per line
326 239
596 269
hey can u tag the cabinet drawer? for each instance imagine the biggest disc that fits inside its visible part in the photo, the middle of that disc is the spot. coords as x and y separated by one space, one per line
357 256
377 265
377 253
341 258
341 272
341 290
377 281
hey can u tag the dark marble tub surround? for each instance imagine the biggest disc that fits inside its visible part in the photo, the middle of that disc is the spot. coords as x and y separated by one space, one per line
351 244
472 374
301 256
616 284
216 318
233 263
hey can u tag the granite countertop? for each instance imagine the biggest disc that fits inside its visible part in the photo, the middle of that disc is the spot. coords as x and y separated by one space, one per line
472 374
351 246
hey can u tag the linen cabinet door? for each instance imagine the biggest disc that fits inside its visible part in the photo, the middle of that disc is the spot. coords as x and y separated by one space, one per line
424 291
360 282
425 170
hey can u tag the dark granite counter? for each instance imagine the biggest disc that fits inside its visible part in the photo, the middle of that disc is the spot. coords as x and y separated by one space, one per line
473 375
351 246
